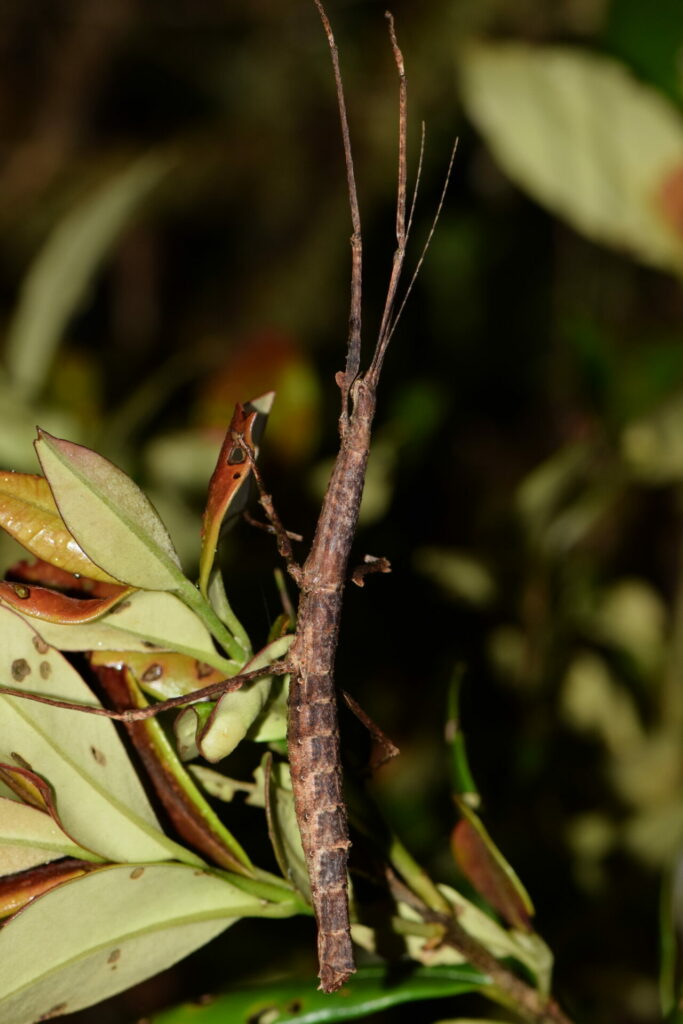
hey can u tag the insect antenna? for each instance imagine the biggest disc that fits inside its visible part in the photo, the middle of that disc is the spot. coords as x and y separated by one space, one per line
350 373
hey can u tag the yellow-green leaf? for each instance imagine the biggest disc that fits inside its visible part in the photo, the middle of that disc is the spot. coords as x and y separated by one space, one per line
29 514
586 139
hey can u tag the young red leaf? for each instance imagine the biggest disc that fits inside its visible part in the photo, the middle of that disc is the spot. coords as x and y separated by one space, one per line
228 490
53 606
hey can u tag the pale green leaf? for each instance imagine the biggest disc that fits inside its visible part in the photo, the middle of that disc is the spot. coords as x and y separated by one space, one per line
108 930
62 271
110 517
235 713
29 837
283 827
586 139
98 796
145 619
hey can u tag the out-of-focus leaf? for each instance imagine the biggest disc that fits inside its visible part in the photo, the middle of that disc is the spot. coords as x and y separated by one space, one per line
99 799
492 876
369 991
235 713
42 603
462 576
546 487
652 446
586 139
107 930
190 814
29 514
18 426
18 890
62 271
632 616
592 700
228 487
109 515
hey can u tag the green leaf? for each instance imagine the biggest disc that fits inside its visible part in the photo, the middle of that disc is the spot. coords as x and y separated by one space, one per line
110 517
29 837
584 138
29 514
98 796
144 618
369 991
283 828
61 273
235 713
108 930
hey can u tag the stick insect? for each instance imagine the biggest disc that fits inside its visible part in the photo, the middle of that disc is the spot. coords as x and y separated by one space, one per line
313 734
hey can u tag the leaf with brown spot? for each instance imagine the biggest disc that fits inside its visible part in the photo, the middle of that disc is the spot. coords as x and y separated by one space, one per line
162 674
228 487
484 866
154 921
29 514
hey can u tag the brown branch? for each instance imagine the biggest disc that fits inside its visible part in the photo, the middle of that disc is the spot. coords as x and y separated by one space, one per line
229 685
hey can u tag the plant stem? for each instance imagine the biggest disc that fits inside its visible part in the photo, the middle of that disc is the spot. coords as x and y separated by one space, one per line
190 596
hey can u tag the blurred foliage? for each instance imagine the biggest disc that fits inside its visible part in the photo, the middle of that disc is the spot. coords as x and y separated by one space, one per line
529 459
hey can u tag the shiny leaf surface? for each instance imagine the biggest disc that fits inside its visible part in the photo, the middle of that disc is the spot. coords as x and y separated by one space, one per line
29 514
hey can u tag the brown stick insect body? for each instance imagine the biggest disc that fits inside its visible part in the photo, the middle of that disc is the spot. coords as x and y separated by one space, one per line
313 734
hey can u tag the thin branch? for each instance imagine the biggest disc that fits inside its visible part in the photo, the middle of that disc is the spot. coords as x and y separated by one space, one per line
277 668
346 379
284 544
